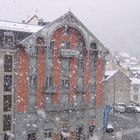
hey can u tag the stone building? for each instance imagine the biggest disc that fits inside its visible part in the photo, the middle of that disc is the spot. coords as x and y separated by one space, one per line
117 87
60 89
114 66
135 91
11 33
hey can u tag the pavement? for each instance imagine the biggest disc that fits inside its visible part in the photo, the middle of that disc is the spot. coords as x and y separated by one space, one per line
126 126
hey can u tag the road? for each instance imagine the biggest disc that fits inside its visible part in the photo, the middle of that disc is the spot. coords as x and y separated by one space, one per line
126 126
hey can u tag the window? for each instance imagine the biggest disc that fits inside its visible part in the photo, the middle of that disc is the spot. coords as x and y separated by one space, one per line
31 136
9 39
78 133
65 44
48 135
6 137
91 129
7 122
65 83
81 65
7 102
32 103
7 63
135 97
67 30
40 41
65 65
93 46
135 88
7 82
49 82
33 80
81 83
49 66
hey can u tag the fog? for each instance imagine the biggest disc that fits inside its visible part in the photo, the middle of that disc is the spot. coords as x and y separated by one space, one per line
116 23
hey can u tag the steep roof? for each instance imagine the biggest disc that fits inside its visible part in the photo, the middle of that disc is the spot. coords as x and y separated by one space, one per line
110 73
68 17
14 26
33 17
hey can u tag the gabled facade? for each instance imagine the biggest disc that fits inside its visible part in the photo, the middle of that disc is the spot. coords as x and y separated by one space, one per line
114 66
117 88
59 90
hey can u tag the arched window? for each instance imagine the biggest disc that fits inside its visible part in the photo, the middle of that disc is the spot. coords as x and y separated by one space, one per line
93 46
40 41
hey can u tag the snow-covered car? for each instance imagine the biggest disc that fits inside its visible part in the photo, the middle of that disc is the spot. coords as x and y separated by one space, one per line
119 107
137 109
109 128
130 109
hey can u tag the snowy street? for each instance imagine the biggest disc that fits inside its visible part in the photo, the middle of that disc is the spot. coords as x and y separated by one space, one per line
126 127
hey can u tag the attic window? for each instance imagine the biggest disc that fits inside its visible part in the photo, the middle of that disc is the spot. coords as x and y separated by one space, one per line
93 46
40 41
65 44
66 30
8 38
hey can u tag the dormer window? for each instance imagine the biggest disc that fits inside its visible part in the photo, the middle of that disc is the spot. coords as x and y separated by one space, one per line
67 30
93 46
8 38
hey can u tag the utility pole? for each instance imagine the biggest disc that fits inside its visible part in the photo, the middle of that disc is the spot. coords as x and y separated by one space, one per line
114 90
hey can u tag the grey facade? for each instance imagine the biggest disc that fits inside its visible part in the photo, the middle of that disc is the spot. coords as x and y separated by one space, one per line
117 88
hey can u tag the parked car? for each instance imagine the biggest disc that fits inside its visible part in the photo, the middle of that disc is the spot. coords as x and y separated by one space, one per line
130 109
109 128
137 109
120 107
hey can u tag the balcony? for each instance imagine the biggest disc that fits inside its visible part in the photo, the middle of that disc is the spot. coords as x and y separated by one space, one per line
69 53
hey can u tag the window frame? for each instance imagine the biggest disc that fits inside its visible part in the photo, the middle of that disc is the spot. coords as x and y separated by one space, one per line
6 88
7 122
8 34
9 104
8 66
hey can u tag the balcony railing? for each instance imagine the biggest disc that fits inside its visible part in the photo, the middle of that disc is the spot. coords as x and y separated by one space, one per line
68 53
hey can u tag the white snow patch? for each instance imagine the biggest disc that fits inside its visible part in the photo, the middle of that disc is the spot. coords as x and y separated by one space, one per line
95 137
41 113
1 62
135 81
110 73
65 134
10 134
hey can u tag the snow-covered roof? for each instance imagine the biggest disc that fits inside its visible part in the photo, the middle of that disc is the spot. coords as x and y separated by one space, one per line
110 73
7 25
124 54
135 81
136 68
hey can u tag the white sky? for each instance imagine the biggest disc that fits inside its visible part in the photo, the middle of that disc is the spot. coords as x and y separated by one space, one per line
115 22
